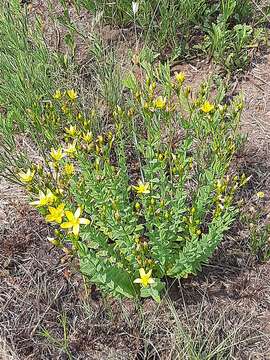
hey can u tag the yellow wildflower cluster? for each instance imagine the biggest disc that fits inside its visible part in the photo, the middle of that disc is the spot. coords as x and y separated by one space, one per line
51 200
47 198
84 166
56 214
71 94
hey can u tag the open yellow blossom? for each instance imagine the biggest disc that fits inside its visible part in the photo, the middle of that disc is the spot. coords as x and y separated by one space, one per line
56 214
180 77
72 94
44 199
71 149
27 176
160 102
57 155
142 188
145 278
88 137
57 95
69 169
207 107
71 130
74 221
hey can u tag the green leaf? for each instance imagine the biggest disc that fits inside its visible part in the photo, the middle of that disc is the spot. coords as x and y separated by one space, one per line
150 292
122 282
130 82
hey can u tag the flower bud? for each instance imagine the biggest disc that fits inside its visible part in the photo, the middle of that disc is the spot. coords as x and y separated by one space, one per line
54 241
117 216
137 206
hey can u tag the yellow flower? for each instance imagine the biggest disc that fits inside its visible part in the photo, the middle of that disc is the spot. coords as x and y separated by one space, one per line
260 195
57 155
71 130
72 94
180 77
56 214
145 278
88 137
74 221
44 199
57 95
69 169
207 107
142 188
160 102
27 176
71 149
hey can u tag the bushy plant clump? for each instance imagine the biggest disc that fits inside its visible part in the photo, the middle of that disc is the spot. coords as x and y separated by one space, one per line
225 30
148 198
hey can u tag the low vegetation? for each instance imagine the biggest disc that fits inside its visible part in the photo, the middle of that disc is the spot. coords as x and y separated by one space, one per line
228 31
137 183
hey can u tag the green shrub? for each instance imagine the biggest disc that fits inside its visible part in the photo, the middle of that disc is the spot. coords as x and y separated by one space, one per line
153 188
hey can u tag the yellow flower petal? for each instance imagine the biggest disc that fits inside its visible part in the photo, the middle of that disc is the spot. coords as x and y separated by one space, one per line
207 107
180 77
76 229
69 215
66 225
84 221
77 213
57 95
72 94
142 272
26 176
160 102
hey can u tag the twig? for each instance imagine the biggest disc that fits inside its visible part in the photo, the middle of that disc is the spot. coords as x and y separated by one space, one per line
45 312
